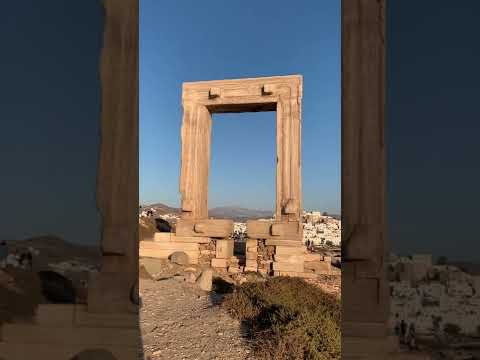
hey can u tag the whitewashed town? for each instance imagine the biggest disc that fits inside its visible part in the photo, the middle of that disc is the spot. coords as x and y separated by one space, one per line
439 302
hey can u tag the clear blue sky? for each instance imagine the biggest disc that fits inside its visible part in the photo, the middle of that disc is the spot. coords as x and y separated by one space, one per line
191 41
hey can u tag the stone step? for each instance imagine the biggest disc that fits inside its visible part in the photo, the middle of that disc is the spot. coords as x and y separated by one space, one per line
284 266
287 250
294 259
36 334
83 318
369 347
58 315
68 315
172 237
19 351
164 254
288 243
410 356
178 246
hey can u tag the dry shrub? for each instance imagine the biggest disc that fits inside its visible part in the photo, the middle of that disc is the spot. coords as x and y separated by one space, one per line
289 319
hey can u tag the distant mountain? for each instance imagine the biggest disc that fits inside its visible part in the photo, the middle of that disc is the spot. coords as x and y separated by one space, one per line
239 213
335 216
236 213
162 209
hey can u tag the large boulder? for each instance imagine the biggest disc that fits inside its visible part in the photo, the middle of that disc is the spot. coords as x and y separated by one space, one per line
179 258
57 288
205 279
163 225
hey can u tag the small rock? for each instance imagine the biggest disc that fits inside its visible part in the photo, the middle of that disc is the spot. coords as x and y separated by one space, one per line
233 269
179 257
179 278
190 277
204 281
148 328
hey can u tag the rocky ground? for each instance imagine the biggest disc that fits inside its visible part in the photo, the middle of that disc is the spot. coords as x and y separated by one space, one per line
331 284
180 321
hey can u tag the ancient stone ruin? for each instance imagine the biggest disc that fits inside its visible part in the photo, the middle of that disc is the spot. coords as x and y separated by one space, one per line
273 247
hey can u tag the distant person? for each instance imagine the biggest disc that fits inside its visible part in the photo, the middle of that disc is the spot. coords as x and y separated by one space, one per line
25 260
12 259
3 254
403 331
3 250
411 339
397 325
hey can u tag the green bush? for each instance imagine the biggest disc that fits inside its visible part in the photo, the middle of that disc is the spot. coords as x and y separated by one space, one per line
288 319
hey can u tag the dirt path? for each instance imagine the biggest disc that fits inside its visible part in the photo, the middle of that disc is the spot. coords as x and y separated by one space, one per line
179 321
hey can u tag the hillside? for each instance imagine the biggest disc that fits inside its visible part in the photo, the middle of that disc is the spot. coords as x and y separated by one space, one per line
239 213
223 212
161 209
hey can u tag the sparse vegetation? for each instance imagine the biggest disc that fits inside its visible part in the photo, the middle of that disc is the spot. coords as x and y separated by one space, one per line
288 319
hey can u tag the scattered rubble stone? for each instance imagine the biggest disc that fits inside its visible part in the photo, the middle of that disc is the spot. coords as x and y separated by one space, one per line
190 277
179 257
178 321
204 281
